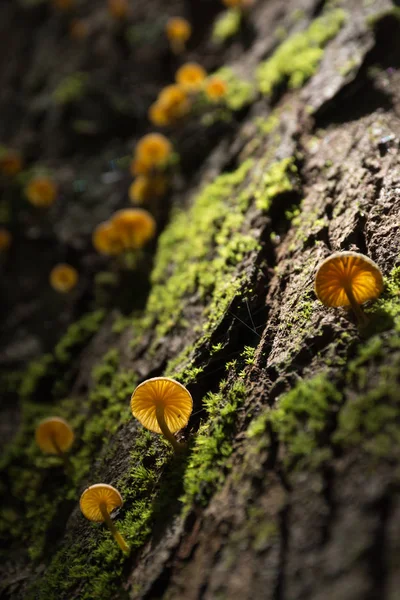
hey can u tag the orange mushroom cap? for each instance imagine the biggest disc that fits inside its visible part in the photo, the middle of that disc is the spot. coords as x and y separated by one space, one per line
175 102
134 227
10 163
63 278
41 191
216 89
190 76
105 239
96 495
5 239
158 115
118 9
153 150
54 434
179 29
144 188
347 270
175 398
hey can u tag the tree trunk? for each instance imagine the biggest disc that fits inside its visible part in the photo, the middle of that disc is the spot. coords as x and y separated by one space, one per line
289 485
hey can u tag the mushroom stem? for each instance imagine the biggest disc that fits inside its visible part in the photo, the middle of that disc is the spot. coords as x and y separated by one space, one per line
62 455
114 531
178 447
358 311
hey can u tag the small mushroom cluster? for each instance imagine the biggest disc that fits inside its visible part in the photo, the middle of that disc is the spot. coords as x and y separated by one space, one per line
128 230
161 404
150 167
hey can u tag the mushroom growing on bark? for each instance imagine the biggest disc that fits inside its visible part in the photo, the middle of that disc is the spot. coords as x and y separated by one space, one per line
97 503
55 436
63 278
162 405
190 76
215 89
134 227
178 32
348 279
41 192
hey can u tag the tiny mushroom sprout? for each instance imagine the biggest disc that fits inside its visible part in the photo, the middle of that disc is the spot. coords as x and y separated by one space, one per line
134 227
55 436
164 406
215 89
348 279
63 278
152 152
178 32
97 502
144 188
158 115
41 192
5 239
190 76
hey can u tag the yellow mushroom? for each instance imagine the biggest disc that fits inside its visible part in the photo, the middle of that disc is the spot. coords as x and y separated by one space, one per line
97 503
55 436
5 239
144 188
162 405
173 99
10 163
348 279
63 278
152 152
215 89
41 192
190 77
158 115
178 32
106 241
134 227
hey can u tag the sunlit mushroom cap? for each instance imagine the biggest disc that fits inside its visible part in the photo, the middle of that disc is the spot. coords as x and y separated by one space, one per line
5 239
153 150
347 270
178 29
190 76
41 191
105 239
54 434
63 278
174 100
98 494
134 227
216 88
175 398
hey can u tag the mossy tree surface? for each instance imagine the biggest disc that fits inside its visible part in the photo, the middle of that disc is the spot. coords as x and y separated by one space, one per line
289 487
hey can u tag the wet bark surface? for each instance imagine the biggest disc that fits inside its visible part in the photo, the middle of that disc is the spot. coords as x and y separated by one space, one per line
306 505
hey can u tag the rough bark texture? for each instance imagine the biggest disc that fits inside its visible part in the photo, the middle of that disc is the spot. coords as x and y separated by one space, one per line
290 485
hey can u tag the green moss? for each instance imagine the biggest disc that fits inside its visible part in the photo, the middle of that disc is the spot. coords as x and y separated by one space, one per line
297 59
198 253
71 88
212 446
277 180
227 25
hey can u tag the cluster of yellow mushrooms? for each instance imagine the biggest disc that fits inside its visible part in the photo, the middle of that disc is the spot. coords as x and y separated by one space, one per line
161 405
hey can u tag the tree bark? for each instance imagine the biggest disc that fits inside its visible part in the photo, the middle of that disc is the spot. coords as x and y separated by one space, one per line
289 487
